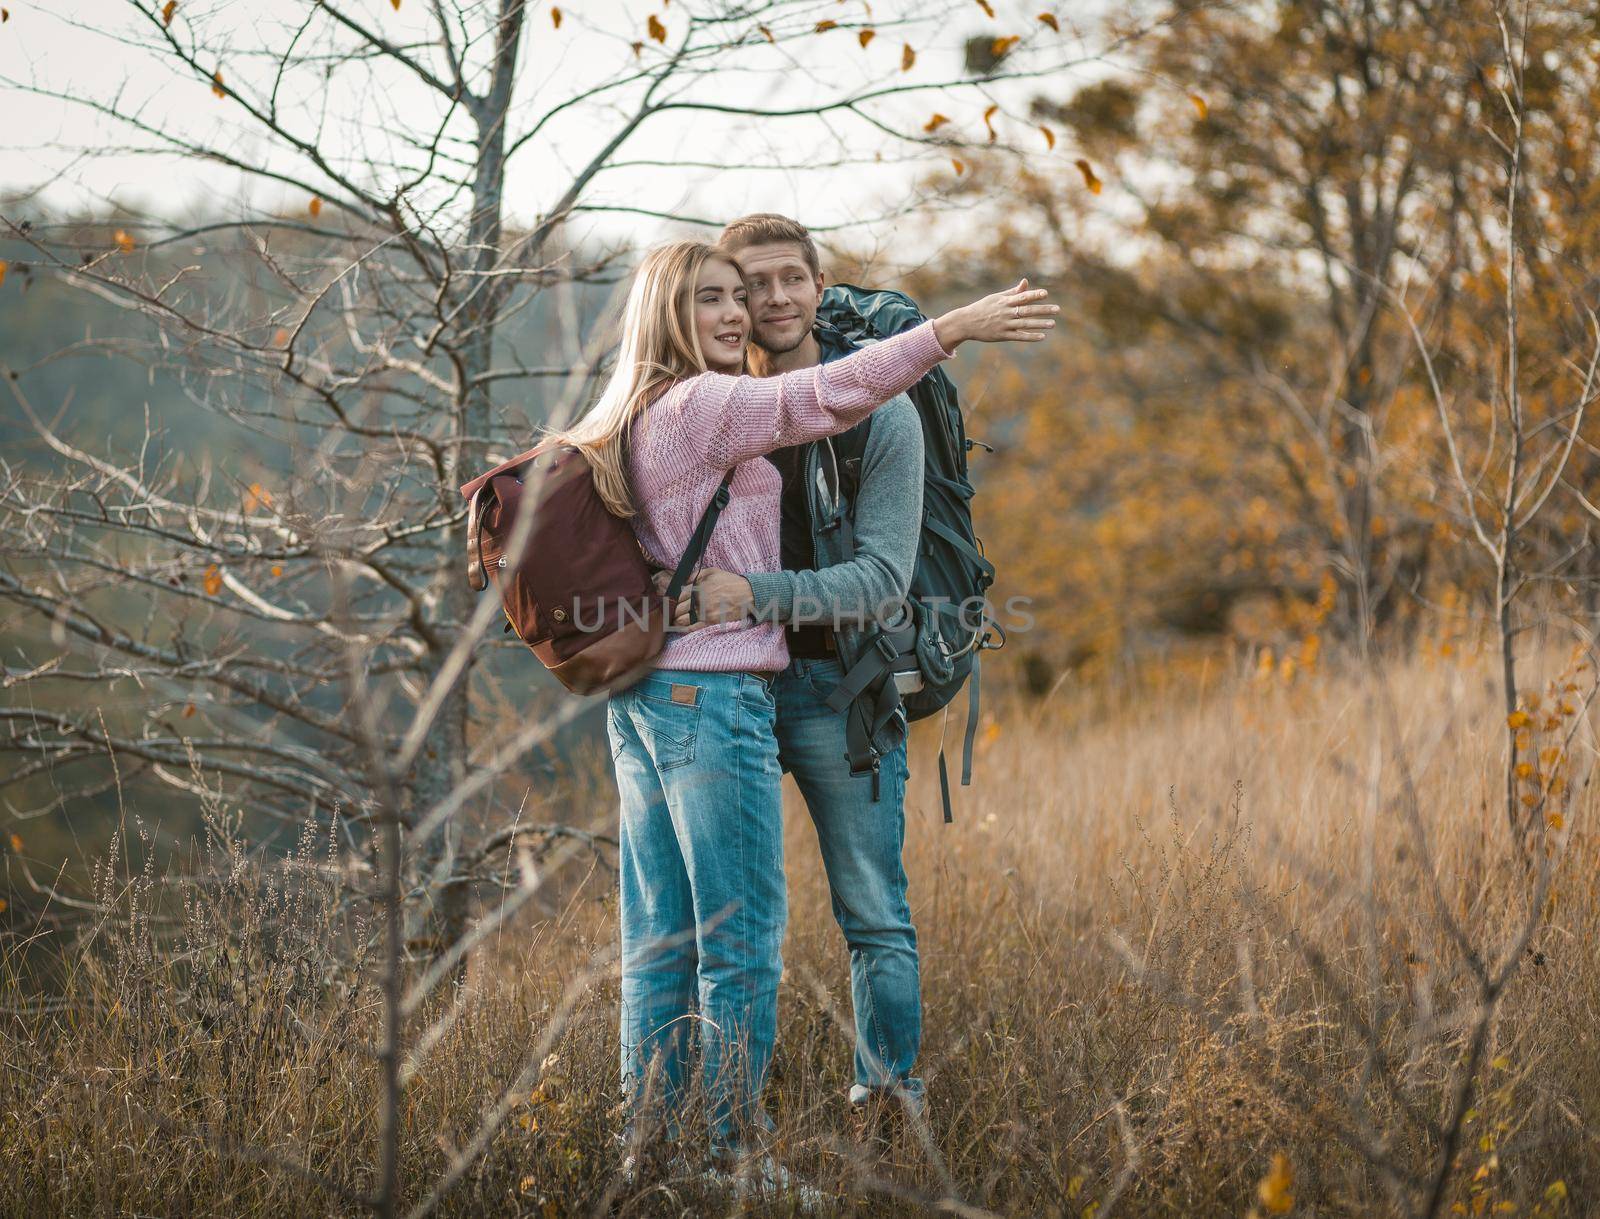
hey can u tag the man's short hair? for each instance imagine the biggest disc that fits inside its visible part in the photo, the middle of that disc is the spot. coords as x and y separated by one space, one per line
764 227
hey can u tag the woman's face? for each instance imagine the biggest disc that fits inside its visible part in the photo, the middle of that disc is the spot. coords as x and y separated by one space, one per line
721 320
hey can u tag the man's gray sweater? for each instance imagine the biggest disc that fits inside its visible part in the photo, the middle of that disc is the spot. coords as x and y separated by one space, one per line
887 522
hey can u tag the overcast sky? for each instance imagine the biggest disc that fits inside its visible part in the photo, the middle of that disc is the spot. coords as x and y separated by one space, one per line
100 50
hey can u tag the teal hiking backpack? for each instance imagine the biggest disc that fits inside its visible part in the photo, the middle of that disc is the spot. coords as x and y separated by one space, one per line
923 664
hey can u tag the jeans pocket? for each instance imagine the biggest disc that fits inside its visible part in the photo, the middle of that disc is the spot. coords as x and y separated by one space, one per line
822 676
672 727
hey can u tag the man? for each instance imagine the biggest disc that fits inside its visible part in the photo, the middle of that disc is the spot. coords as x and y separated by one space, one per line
851 516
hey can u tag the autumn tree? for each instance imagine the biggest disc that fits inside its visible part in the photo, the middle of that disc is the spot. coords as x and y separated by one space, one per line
1242 438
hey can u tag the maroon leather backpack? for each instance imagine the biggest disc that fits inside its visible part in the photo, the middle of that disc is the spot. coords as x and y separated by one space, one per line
580 592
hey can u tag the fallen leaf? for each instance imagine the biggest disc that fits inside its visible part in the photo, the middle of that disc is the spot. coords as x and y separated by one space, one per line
124 242
3 265
16 842
1001 45
1049 136
657 30
1276 1189
638 49
988 9
1049 19
555 17
167 11
1200 108
824 26
908 57
1089 180
213 581
216 84
937 121
767 34
865 37
3 902
315 206
960 168
396 4
277 569
988 121
280 337
188 710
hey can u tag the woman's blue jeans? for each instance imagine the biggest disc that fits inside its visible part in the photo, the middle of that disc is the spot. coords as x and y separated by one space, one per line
702 887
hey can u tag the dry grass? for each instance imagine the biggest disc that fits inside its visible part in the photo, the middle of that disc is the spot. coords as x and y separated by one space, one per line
1173 933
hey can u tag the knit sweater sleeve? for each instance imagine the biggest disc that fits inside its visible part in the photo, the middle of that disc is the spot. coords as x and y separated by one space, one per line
723 420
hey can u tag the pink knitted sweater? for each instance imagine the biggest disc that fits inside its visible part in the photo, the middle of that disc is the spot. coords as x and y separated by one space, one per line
694 432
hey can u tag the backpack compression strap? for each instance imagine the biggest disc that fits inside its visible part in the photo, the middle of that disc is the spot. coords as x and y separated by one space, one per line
699 540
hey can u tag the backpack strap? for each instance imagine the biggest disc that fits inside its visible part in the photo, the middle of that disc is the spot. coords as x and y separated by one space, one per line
966 746
700 539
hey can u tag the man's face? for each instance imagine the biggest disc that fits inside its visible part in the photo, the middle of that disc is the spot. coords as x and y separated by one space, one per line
784 294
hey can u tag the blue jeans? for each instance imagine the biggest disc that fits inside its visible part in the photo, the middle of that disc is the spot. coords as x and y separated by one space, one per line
860 842
703 901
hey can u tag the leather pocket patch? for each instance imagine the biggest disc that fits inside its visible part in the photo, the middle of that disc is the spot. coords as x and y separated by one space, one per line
688 695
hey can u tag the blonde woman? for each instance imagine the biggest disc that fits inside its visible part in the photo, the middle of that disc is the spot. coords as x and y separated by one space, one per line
700 842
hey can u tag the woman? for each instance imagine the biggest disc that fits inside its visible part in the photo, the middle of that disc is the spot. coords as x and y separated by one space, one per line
700 842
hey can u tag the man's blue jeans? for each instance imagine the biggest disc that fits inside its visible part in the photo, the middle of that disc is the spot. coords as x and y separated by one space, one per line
861 843
703 900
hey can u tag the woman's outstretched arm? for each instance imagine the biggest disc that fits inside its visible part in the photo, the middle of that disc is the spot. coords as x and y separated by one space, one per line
724 420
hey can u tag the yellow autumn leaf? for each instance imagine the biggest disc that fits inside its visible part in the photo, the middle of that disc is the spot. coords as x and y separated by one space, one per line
16 842
3 266
1501 1063
1049 136
167 11
656 29
555 17
1517 719
256 496
988 9
213 581
188 710
1089 179
937 121
908 57
823 27
124 242
1556 821
1049 19
865 37
1200 108
315 206
960 167
767 34
277 569
3 902
396 4
216 84
988 121
1276 1189
1524 769
1001 45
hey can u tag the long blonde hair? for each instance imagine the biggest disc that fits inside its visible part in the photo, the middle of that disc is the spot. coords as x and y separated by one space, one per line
658 347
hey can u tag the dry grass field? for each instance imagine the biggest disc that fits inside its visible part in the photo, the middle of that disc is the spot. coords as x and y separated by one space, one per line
1189 949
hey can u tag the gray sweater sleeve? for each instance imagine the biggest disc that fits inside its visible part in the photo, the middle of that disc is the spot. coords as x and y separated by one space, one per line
888 521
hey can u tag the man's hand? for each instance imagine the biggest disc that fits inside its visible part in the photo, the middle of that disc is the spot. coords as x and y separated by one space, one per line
716 596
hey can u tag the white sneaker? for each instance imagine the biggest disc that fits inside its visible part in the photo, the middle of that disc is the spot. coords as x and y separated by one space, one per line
762 1177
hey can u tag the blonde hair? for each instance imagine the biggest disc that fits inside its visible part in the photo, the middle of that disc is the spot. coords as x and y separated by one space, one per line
658 347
